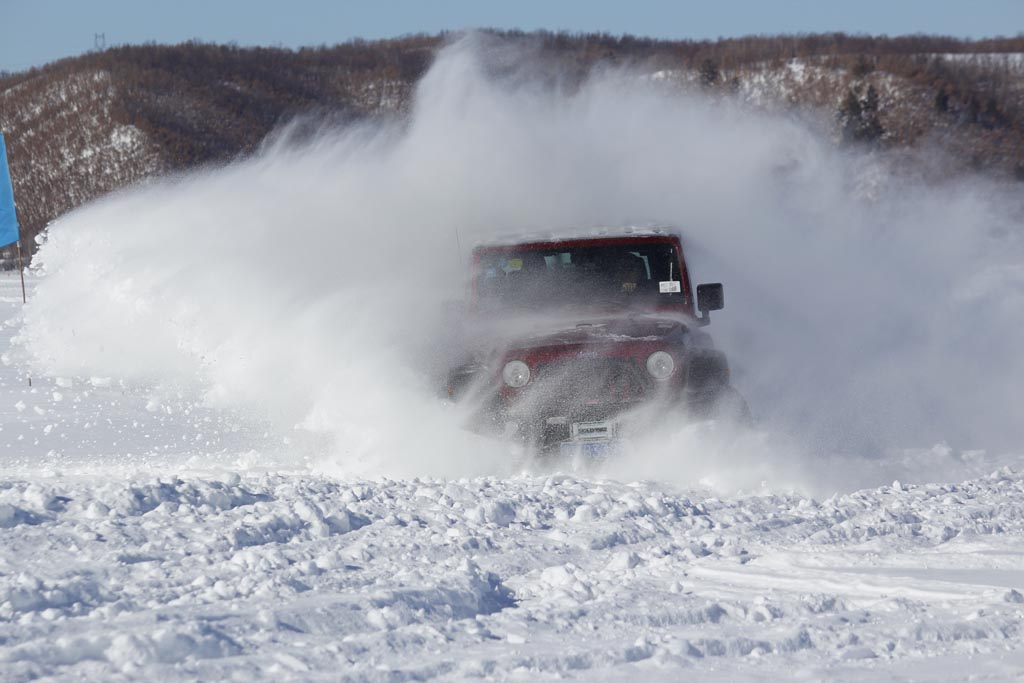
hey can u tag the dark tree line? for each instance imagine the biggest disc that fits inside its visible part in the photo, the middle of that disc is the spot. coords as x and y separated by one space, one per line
200 103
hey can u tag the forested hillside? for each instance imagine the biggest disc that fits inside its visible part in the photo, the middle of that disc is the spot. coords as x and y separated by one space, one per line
82 127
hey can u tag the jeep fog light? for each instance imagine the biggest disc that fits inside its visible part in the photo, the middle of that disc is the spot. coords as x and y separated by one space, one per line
516 373
660 365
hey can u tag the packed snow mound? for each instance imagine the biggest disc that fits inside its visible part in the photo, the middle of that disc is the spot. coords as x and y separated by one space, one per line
270 576
302 290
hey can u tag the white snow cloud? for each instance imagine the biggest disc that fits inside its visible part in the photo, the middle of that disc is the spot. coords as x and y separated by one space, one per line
304 285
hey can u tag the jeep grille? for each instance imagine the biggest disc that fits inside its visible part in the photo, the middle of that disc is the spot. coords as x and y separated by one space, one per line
590 382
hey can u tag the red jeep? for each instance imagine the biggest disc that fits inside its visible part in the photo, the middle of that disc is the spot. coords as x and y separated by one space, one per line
572 342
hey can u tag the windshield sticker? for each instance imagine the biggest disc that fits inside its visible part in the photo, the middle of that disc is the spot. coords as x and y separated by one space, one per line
512 265
669 287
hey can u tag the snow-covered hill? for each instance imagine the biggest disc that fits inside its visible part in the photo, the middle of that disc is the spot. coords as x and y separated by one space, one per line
69 145
83 127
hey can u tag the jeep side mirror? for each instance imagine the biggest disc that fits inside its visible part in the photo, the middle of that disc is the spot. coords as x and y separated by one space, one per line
710 297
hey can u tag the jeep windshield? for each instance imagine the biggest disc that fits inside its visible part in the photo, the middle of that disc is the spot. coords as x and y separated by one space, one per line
624 275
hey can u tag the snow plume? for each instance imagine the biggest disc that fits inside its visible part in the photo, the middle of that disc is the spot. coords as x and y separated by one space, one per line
868 313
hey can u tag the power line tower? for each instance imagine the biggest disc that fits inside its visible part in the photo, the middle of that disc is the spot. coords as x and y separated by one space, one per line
99 41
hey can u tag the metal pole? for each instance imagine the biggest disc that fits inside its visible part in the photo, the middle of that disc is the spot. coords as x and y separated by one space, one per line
21 271
24 299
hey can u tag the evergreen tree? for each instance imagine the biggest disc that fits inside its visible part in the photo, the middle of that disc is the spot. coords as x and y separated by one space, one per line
849 116
708 73
871 128
858 116
870 104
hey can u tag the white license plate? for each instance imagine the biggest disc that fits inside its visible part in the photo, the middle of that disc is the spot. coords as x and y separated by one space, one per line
592 431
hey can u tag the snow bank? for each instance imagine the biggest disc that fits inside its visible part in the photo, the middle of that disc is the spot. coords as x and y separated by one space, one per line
302 289
150 579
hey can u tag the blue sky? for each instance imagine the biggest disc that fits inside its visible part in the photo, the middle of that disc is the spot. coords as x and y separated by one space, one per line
34 32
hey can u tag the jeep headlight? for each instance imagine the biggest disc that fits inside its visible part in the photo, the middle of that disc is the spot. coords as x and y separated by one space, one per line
516 373
660 365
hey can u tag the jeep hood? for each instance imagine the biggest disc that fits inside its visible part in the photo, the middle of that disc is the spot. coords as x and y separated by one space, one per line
524 333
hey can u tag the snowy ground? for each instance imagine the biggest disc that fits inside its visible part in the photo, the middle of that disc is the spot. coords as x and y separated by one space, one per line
148 541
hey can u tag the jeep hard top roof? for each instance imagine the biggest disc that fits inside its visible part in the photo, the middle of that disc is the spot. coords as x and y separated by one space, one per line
576 235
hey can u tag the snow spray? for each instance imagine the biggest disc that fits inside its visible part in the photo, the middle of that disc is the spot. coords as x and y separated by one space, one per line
869 312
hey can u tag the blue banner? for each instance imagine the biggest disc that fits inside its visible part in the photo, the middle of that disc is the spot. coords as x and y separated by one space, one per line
8 218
